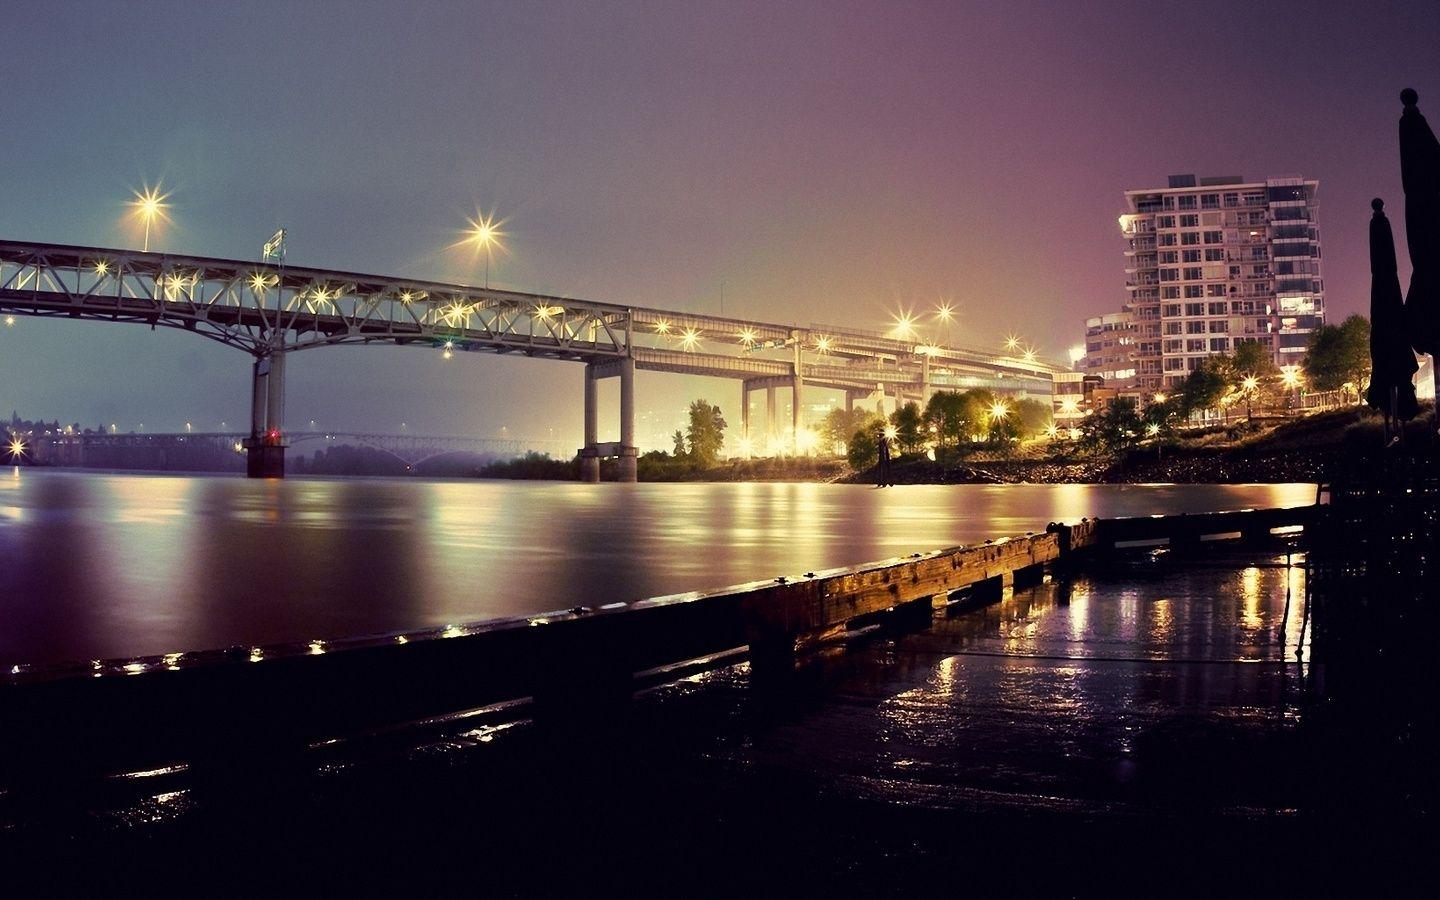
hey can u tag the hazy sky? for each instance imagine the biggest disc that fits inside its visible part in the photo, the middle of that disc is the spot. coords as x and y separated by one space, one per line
830 162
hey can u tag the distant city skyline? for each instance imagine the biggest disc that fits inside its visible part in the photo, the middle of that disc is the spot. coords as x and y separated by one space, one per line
822 162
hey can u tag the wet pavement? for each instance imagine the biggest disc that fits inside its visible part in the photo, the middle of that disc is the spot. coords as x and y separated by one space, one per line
1129 730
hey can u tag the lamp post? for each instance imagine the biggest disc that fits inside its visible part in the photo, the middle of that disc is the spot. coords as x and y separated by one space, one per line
149 205
485 233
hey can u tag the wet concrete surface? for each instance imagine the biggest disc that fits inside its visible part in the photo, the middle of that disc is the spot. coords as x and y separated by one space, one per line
1130 730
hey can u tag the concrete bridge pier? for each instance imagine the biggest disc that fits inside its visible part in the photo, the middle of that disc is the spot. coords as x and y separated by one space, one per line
797 381
769 417
625 449
745 418
590 453
265 448
628 453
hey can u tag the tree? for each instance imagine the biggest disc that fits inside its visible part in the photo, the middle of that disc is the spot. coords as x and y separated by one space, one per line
1114 427
945 414
706 434
1252 359
1204 387
863 449
838 425
679 438
1030 416
1339 355
907 421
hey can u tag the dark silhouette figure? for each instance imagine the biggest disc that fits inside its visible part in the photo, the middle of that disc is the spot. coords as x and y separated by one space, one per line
1392 362
882 468
1420 175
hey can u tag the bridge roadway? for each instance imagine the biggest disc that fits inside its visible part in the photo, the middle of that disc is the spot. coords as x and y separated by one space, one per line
270 311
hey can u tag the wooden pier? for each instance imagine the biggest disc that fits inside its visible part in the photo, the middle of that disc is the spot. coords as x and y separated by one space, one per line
133 713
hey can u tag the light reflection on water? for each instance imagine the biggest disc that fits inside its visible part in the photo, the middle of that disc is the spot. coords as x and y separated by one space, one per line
102 565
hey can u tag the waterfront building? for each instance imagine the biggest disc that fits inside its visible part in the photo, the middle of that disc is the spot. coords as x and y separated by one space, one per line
1211 263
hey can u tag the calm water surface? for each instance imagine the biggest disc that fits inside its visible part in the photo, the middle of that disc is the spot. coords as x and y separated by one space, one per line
100 565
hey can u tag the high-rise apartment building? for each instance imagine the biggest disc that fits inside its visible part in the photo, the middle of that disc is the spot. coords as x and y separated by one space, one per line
1211 263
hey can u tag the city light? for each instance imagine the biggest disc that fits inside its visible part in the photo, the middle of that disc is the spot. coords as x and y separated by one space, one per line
260 282
1250 383
944 312
1077 353
690 339
1051 430
101 267
822 344
150 205
546 312
999 410
1012 342
662 327
9 321
891 432
1069 405
904 326
1291 376
485 234
747 337
1160 398
1029 354
1152 429
17 448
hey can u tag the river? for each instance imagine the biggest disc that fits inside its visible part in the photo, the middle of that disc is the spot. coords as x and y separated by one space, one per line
99 565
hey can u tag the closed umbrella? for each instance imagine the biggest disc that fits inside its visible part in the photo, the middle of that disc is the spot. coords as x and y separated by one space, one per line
1392 362
1420 175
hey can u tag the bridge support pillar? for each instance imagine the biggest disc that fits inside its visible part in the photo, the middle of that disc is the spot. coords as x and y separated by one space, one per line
770 418
797 381
628 453
590 453
849 402
745 417
265 448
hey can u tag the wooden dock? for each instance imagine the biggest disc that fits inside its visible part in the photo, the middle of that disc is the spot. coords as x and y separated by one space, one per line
124 714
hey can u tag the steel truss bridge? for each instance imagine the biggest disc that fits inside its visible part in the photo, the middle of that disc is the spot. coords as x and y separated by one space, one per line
270 311
410 449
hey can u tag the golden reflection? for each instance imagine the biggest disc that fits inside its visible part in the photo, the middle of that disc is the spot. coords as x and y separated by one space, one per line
1250 597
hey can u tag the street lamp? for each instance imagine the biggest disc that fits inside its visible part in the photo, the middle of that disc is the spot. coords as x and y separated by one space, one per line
150 205
485 233
904 326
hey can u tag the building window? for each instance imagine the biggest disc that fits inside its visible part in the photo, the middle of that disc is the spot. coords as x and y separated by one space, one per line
1164 221
1220 327
1196 345
1209 201
1170 293
1217 309
1194 309
1165 240
1187 201
1215 290
1169 274
1193 273
1169 256
1190 221
1214 254
1190 256
1219 345
1194 327
1232 200
1189 238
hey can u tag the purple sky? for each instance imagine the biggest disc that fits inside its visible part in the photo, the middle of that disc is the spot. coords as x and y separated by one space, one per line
830 162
